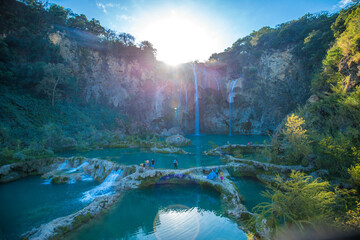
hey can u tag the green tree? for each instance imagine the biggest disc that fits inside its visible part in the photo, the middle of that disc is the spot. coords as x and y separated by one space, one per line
299 201
54 74
296 138
58 14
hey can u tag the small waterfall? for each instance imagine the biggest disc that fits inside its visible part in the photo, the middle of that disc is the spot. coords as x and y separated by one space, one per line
86 178
47 181
104 189
71 170
217 83
197 131
185 110
64 165
159 99
231 100
71 180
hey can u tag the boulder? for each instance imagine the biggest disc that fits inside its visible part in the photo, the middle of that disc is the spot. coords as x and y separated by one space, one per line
170 132
168 150
178 140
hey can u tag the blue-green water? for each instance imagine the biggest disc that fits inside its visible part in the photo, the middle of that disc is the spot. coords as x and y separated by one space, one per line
135 156
164 212
27 203
250 188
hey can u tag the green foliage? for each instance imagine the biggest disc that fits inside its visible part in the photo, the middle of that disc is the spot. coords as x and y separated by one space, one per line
299 201
212 144
296 139
354 172
352 219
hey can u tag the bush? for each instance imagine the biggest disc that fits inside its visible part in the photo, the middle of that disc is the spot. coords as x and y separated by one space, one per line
296 139
299 201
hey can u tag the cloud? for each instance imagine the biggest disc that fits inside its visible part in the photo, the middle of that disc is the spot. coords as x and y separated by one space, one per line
344 3
105 6
124 17
101 6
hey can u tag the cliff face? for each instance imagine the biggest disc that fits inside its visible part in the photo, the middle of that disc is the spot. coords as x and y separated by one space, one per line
277 84
159 96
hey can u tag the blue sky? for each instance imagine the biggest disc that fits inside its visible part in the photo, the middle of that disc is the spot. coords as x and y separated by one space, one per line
196 28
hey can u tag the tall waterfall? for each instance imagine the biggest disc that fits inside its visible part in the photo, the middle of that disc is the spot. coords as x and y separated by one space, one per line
217 83
197 131
185 110
231 100
178 109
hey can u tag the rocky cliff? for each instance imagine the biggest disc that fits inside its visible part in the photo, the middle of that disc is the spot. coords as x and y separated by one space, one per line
158 97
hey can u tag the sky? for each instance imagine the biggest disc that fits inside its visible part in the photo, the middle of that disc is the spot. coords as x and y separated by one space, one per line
188 30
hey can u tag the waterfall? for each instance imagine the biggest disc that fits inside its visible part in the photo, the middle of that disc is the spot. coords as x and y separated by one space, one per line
86 178
217 83
47 181
231 100
197 131
178 109
185 110
63 166
77 169
71 180
104 189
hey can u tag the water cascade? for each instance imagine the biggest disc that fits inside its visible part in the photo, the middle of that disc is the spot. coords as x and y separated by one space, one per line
178 110
231 100
185 110
217 83
47 181
104 189
63 166
71 180
197 131
77 169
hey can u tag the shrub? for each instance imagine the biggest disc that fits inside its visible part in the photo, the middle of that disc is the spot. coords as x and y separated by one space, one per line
296 139
299 201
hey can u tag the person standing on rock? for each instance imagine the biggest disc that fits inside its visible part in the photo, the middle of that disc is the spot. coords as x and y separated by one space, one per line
175 164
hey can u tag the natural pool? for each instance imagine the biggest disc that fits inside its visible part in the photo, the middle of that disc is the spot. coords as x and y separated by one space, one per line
130 156
28 202
164 212
250 189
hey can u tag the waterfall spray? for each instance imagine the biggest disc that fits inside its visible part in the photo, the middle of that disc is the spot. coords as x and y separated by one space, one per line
231 100
197 131
185 110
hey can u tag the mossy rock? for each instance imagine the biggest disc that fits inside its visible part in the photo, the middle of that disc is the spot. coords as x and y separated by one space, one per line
81 219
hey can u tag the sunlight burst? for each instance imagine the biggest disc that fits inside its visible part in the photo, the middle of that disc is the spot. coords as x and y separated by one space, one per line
180 38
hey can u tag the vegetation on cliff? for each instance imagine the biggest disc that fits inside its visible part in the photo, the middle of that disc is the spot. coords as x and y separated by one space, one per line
327 127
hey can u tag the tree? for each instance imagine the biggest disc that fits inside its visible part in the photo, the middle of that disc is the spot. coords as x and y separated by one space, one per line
148 48
54 74
58 14
78 21
127 39
95 27
299 201
296 138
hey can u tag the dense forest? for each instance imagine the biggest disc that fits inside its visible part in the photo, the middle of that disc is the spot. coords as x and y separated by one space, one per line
47 107
44 107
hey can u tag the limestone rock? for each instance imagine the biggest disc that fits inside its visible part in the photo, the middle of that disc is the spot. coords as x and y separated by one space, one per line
178 140
170 149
